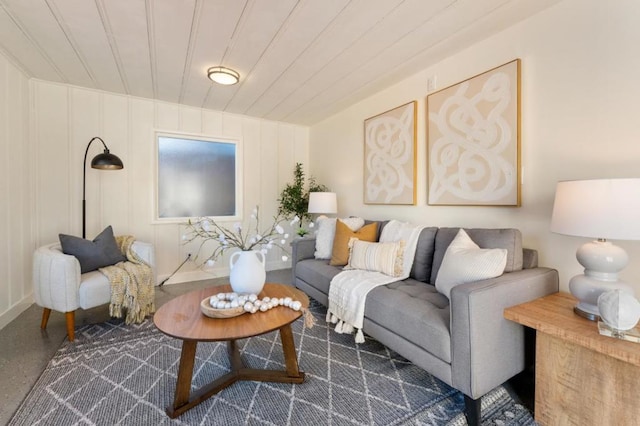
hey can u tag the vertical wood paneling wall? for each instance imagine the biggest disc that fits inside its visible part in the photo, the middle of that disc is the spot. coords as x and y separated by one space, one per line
16 207
44 131
66 118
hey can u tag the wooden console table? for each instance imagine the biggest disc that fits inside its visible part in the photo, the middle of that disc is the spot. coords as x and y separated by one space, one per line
582 377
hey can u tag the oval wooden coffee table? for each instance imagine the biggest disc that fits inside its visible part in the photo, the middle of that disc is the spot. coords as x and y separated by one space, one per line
181 318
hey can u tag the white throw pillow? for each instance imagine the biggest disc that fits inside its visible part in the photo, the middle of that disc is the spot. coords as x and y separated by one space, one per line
378 257
465 262
326 230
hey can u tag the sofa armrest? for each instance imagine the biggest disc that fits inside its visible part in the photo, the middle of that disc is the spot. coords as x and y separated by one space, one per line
301 248
146 253
487 349
56 279
529 258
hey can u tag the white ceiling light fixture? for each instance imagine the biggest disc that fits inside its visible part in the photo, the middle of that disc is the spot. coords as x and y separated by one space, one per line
222 75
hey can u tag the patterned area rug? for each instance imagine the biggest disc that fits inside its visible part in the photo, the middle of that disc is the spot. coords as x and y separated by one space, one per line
115 374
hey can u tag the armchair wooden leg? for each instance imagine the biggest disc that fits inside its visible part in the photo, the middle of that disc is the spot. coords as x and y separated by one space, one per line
70 324
45 318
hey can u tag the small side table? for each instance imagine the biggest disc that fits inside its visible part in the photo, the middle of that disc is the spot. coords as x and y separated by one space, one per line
582 377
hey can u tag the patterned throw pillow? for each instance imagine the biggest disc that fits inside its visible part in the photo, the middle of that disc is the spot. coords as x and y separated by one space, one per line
465 262
379 257
340 250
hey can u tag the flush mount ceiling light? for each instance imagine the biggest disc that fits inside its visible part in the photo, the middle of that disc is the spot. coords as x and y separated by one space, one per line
222 75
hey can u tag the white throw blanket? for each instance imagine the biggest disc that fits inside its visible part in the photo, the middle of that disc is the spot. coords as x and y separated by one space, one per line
348 290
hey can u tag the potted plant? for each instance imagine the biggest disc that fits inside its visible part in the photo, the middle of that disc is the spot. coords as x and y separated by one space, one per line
294 199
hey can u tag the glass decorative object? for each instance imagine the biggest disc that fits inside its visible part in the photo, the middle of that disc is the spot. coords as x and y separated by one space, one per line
619 313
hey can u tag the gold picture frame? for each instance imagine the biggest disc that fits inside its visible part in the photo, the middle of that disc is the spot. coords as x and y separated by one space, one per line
390 156
473 140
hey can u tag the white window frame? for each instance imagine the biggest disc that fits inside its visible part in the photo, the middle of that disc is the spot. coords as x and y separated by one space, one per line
204 138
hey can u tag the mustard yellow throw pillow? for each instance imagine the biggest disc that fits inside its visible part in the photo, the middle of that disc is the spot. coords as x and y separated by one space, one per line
340 252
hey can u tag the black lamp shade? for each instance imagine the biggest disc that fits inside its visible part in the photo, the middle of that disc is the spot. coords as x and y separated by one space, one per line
106 161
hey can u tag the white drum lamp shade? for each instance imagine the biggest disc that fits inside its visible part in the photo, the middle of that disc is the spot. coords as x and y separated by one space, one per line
603 209
323 202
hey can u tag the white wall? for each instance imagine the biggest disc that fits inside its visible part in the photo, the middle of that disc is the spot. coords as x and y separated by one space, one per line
65 119
580 92
16 214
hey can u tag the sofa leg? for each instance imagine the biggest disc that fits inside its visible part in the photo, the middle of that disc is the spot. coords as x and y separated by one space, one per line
71 322
45 318
472 410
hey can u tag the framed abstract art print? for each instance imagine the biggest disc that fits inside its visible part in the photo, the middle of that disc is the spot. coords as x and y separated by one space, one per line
473 140
390 156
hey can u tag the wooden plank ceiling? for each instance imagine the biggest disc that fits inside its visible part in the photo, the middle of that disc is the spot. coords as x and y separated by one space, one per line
300 61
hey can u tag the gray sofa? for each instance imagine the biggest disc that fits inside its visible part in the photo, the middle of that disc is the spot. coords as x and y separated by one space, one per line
465 341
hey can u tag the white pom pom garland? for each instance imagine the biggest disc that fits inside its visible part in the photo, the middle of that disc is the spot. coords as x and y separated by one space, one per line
250 303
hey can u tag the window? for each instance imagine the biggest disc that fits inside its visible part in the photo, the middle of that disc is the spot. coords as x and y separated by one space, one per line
196 176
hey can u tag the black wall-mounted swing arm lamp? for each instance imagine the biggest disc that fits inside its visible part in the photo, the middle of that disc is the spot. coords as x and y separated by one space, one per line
103 161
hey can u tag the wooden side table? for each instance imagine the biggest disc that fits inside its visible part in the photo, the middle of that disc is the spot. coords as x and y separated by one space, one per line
582 377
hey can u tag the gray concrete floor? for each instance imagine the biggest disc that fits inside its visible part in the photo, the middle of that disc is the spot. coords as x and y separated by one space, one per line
25 349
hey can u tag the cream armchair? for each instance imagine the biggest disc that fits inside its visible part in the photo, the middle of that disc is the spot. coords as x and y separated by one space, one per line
58 284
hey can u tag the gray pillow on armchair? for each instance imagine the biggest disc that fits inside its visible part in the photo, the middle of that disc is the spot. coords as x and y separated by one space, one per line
102 251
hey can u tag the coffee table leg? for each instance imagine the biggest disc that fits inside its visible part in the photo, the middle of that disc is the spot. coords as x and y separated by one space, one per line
185 374
234 355
185 400
289 349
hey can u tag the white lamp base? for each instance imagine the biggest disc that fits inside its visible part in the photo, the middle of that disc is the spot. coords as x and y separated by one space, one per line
586 311
587 290
602 261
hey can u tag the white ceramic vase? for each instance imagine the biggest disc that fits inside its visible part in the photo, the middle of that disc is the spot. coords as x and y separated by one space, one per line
247 272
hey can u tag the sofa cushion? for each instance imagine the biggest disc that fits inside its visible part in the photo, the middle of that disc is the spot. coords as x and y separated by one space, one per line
414 310
423 259
510 239
378 257
102 251
317 273
381 225
95 290
325 232
465 262
340 251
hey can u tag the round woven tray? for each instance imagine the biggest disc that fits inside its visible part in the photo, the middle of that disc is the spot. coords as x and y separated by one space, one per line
207 310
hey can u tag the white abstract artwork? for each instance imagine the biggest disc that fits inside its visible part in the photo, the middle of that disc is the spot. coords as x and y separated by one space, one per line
389 156
473 140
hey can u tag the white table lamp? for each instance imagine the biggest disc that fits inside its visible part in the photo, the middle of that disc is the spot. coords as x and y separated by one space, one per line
323 203
602 209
